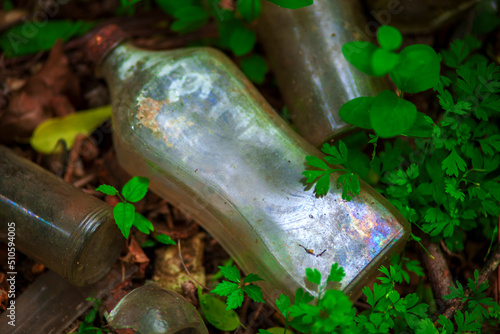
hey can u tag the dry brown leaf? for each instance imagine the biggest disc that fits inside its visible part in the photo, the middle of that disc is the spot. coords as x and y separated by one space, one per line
48 92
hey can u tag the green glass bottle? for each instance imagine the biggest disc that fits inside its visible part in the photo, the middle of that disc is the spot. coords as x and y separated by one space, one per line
192 122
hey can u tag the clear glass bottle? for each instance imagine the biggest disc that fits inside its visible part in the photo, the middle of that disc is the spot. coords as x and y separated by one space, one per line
304 48
192 122
54 223
153 310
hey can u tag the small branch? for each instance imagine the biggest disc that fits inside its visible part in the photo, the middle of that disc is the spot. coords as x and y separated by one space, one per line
185 268
457 303
436 267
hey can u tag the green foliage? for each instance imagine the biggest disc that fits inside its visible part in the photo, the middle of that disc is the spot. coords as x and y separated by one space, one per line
255 68
87 325
215 312
415 69
235 288
347 180
292 4
32 37
124 212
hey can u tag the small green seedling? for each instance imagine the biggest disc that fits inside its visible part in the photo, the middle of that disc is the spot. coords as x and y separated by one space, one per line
348 180
236 287
124 212
415 69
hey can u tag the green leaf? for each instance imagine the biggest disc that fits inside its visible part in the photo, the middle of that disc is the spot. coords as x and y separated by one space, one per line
124 215
255 68
316 162
107 189
171 6
292 4
32 37
242 40
359 54
135 189
143 224
453 163
234 300
250 278
336 273
418 69
189 18
389 38
47 135
214 311
383 61
422 127
165 239
231 273
302 297
313 276
390 115
283 305
323 185
225 288
249 9
357 112
254 292
275 330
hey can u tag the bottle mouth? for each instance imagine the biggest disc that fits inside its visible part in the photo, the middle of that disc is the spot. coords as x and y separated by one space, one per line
94 247
102 40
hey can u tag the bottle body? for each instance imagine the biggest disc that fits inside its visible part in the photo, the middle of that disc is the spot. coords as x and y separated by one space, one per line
58 225
304 47
211 145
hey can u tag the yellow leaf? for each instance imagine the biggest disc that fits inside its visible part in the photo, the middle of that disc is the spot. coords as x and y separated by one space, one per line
47 135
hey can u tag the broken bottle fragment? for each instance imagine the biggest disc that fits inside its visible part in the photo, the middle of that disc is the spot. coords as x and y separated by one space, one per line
192 122
153 310
55 223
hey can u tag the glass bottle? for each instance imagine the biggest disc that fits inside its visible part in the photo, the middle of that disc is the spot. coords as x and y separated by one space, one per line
192 122
55 223
304 48
151 309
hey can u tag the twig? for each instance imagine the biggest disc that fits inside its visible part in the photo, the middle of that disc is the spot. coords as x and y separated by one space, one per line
254 318
436 268
457 304
84 180
185 268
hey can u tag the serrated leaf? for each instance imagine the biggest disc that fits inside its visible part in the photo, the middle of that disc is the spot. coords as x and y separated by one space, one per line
336 273
453 163
165 239
143 224
423 126
124 215
389 38
225 288
234 300
302 297
283 304
323 185
388 106
250 278
107 189
254 292
47 135
316 162
357 112
135 189
231 273
214 311
313 276
418 69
